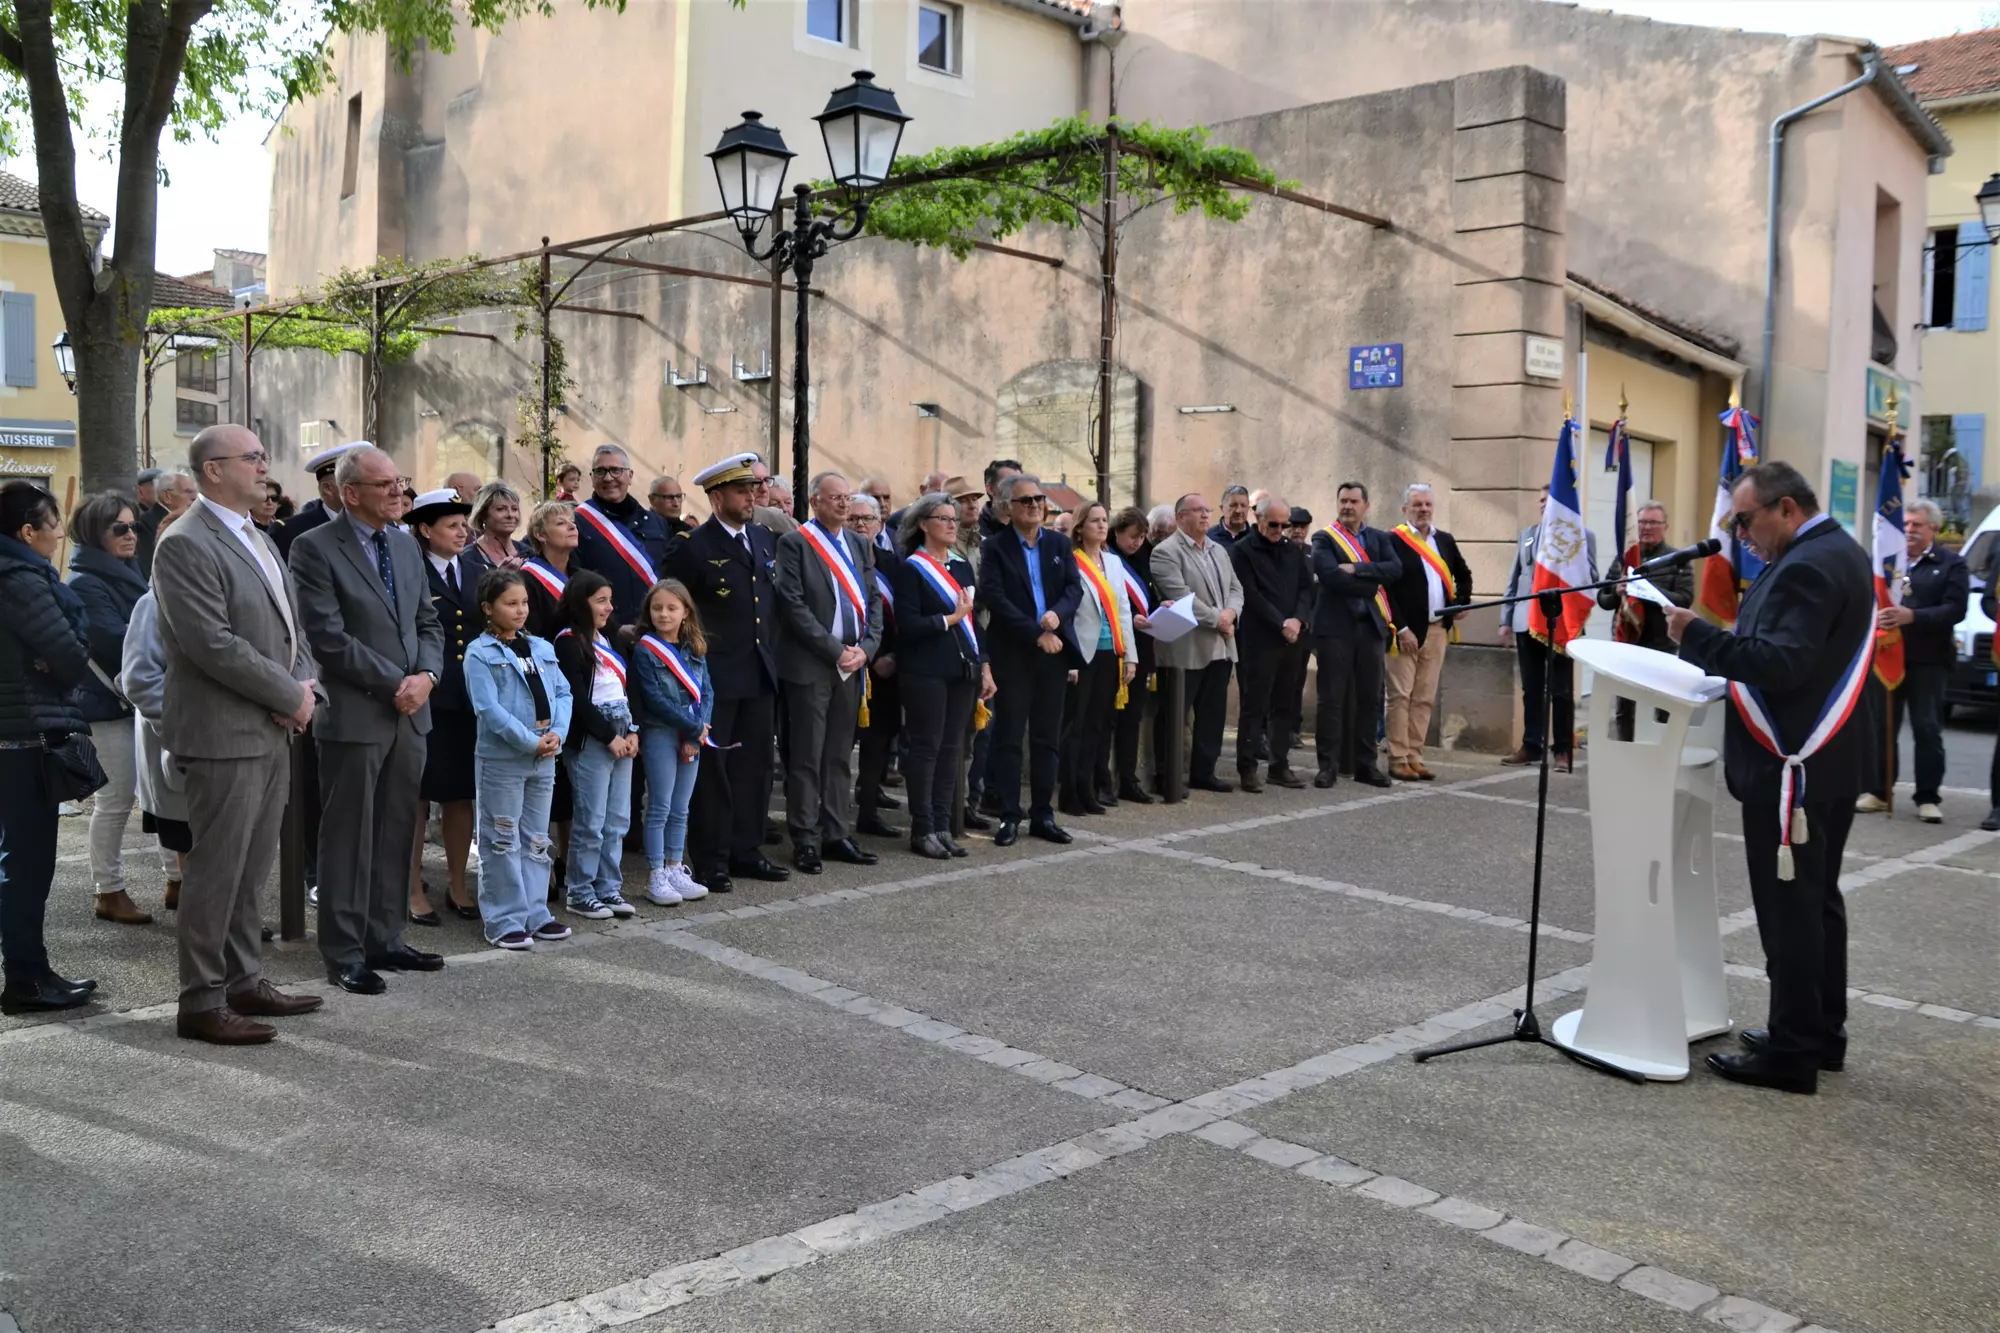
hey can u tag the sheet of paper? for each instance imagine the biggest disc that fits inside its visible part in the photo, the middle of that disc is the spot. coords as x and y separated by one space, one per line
1173 621
1646 592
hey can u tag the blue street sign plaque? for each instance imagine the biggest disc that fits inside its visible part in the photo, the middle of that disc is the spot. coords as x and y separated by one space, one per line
1379 366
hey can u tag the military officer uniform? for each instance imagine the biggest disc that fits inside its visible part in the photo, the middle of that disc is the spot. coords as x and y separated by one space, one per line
448 763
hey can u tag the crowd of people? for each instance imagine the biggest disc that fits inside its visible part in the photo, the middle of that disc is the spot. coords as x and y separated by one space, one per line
562 677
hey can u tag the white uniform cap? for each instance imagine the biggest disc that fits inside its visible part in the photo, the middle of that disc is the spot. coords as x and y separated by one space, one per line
736 467
326 458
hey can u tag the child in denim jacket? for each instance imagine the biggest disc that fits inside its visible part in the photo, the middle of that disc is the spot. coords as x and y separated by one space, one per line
670 688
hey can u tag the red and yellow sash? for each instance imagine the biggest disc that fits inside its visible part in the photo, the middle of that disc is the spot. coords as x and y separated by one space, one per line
1107 603
1357 554
1438 567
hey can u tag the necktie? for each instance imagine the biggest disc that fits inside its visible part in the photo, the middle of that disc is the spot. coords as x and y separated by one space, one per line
451 579
744 537
382 563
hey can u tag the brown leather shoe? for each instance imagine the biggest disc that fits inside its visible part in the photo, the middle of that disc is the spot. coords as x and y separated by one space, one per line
1520 757
119 907
172 901
267 1001
1423 774
221 1027
1405 773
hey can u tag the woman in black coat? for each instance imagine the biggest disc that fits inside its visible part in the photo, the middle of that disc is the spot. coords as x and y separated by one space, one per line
1128 534
942 665
104 574
44 660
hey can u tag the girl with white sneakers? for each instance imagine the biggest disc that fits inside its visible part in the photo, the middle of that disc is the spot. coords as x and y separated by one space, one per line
670 694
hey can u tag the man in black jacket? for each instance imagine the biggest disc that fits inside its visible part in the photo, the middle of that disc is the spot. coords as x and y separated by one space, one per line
618 537
319 512
1352 628
1271 641
1434 576
1029 590
1796 659
727 564
1933 603
1640 621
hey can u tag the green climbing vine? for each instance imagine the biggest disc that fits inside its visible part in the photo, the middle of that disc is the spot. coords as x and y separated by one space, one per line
540 407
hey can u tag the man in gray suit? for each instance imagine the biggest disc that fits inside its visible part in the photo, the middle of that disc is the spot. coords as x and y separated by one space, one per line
829 629
1191 561
240 679
364 600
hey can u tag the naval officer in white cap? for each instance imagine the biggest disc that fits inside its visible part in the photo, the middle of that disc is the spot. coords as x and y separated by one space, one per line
314 513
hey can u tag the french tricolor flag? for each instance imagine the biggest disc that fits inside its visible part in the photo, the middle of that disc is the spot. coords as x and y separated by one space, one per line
1562 551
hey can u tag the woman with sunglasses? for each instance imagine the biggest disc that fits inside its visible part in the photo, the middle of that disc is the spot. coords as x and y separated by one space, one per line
104 574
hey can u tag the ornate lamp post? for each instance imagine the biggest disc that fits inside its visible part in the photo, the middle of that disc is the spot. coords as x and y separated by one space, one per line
862 127
65 359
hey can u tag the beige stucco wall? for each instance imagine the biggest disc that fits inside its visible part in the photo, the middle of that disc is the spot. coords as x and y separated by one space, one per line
24 267
1665 410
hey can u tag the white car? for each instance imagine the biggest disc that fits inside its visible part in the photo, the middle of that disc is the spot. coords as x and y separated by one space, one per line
1975 680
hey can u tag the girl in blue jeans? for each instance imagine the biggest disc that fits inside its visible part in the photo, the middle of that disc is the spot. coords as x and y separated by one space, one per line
670 688
602 744
522 702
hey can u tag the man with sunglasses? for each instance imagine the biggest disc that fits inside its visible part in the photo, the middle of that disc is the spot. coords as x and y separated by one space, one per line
1272 645
618 537
1792 754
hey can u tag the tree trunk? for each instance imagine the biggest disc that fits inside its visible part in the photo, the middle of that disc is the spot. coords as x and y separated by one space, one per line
107 399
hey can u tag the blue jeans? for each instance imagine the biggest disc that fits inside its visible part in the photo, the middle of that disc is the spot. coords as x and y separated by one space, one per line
514 795
601 788
669 788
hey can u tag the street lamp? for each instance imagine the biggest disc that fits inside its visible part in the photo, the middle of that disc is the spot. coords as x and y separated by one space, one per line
862 127
1989 204
66 359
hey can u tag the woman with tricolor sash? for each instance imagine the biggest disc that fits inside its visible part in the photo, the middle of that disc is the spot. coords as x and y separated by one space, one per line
673 703
552 539
943 666
1103 659
603 742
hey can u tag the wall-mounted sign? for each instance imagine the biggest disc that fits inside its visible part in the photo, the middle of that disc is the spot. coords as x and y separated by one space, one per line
1378 366
1543 359
1880 385
1843 494
37 434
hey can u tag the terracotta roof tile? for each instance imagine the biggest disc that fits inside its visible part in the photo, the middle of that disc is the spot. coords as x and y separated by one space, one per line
1960 66
20 196
1712 342
171 293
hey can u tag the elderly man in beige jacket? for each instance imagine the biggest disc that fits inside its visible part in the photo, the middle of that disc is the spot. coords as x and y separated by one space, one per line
1188 562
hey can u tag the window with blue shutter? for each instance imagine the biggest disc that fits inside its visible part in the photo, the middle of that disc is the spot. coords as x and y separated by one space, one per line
17 330
1975 261
1968 432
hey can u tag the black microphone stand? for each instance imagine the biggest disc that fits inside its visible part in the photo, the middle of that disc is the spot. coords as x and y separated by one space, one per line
1527 1027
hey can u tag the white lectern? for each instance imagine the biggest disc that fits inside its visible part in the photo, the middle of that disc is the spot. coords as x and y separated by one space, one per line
1656 980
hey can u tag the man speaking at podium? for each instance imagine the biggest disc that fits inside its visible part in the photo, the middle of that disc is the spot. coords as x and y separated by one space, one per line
1795 665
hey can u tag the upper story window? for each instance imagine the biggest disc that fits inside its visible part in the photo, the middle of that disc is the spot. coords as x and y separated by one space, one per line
831 20
938 37
196 371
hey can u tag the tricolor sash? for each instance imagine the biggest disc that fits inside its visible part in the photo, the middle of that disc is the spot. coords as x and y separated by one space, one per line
543 573
606 658
1107 603
621 541
669 657
840 568
1135 591
1833 715
1357 554
947 587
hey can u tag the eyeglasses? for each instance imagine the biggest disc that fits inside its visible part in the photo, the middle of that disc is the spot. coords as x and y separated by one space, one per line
1271 525
252 458
1741 522
1031 499
670 495
942 518
122 529
603 472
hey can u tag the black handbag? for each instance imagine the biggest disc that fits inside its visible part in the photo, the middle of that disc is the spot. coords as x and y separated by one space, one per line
70 767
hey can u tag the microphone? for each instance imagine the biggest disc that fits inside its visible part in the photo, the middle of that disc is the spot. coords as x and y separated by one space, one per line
1686 555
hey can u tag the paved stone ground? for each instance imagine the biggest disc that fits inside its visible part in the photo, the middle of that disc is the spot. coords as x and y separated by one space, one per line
1157 1080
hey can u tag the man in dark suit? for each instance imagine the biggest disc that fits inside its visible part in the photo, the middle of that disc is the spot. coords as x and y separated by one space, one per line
885 703
1640 621
315 513
1029 589
1351 633
618 537
1933 603
1434 576
1797 655
829 629
365 607
726 563
1271 642
666 498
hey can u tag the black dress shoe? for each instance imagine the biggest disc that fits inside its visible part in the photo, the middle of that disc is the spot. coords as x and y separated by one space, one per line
717 881
950 844
1761 1071
1210 783
430 918
1009 834
357 979
1247 779
849 852
977 822
1373 777
1133 792
1049 831
1757 1041
760 868
407 959
1069 805
1089 803
888 802
1325 778
806 860
1284 777
463 913
877 827
1106 799
84 984
34 997
929 846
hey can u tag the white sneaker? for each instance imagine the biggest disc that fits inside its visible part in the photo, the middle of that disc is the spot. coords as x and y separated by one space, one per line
687 885
661 891
1869 804
1930 813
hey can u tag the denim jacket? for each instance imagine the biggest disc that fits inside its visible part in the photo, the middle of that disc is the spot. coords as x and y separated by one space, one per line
502 701
662 701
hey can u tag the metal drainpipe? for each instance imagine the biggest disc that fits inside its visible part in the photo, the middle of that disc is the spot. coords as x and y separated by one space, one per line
1871 66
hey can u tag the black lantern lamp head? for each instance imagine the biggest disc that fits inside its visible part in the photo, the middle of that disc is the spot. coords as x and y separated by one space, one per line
750 165
862 126
66 359
1989 204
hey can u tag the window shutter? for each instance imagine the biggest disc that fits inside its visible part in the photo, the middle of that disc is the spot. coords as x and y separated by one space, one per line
1975 259
1930 281
17 312
1968 431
